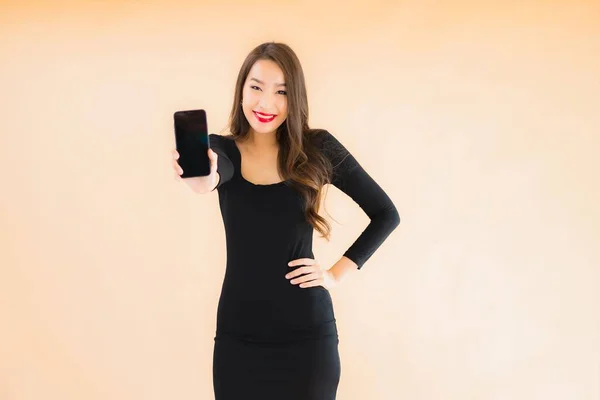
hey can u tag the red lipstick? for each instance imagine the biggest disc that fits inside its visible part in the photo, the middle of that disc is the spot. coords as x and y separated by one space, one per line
264 118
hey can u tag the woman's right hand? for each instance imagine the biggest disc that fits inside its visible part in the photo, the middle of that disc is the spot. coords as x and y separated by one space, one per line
199 184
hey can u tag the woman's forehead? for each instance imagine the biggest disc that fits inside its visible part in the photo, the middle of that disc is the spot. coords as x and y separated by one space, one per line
266 72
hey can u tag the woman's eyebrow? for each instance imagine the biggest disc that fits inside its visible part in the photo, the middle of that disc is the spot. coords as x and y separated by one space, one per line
262 83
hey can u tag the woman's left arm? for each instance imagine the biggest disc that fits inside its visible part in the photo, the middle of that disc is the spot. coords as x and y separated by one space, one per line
352 179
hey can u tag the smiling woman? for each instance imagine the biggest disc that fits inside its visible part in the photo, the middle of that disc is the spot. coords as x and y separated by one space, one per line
276 335
264 100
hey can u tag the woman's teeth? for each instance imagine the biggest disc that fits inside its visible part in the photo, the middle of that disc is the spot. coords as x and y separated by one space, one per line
264 117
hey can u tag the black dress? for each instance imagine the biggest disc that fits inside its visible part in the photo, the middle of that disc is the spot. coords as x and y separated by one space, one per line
275 340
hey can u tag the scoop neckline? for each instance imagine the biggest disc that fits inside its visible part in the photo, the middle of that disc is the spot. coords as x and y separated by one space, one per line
239 153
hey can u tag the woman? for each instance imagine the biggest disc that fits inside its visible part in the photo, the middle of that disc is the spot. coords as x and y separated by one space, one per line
276 335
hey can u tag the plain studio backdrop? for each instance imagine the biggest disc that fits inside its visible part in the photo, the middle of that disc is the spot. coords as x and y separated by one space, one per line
479 118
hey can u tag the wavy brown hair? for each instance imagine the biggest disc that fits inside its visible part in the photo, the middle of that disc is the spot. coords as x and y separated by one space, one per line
300 161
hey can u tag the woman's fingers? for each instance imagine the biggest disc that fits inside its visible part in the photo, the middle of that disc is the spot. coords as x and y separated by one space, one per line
302 271
316 282
302 261
176 167
306 278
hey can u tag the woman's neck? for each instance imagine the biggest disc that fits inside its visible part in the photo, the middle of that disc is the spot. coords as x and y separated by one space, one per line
262 141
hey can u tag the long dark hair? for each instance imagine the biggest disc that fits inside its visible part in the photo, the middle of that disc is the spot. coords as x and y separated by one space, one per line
300 161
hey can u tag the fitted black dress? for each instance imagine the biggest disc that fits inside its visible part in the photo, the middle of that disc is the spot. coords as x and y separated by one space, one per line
275 340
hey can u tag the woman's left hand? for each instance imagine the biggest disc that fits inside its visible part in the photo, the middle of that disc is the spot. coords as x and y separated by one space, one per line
311 274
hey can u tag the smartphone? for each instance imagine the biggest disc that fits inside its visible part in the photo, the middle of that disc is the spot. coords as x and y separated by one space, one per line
191 141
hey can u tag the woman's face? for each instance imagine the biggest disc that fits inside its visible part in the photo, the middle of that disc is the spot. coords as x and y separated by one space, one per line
264 97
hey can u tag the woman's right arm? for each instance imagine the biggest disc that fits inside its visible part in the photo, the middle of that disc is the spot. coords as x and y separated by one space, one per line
223 162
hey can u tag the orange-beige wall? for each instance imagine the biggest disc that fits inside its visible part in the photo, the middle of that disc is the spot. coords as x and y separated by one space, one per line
481 119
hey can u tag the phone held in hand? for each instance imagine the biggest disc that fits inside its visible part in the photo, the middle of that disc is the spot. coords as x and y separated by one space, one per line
192 143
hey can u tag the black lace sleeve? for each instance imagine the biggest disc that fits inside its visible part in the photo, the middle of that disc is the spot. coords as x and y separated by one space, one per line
351 178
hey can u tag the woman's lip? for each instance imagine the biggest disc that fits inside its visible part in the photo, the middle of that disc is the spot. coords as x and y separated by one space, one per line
263 119
264 114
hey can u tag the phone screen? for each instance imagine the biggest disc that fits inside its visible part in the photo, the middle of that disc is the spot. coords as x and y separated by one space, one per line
192 144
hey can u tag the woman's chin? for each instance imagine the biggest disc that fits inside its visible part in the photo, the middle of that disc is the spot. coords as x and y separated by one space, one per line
264 128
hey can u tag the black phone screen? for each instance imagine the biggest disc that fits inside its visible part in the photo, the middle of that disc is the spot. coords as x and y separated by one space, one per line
192 143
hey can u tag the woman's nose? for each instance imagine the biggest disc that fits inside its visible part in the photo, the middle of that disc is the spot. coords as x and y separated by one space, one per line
266 101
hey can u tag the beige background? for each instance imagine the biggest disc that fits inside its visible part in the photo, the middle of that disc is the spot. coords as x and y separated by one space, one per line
480 119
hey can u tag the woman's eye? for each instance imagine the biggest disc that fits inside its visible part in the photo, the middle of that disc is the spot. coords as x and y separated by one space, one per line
283 92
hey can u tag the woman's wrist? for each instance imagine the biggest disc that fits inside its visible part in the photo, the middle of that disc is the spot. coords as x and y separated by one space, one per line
343 267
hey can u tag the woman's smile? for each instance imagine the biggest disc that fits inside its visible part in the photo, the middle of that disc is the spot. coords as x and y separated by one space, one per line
264 118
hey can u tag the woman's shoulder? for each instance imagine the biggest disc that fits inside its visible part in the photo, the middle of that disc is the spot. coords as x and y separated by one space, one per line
220 141
222 144
317 135
327 143
219 137
319 138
